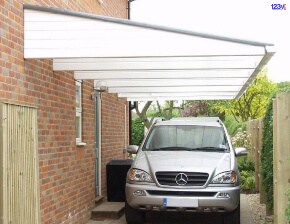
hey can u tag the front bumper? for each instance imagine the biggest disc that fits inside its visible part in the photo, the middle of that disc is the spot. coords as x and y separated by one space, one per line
203 200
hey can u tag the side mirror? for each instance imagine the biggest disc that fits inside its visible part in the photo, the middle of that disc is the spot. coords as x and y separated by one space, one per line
132 149
241 152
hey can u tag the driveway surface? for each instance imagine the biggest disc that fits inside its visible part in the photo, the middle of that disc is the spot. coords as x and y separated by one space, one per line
186 218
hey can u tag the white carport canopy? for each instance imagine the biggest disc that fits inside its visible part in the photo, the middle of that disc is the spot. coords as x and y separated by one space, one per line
141 61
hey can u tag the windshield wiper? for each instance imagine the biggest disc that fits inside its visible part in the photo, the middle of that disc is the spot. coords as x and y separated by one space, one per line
171 148
210 149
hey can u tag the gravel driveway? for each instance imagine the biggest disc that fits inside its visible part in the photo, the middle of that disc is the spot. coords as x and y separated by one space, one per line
258 210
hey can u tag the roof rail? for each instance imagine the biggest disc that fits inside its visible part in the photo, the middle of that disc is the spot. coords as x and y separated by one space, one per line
198 119
158 119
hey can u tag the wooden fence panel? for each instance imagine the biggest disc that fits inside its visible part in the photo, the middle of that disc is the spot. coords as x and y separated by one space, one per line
253 129
19 174
282 155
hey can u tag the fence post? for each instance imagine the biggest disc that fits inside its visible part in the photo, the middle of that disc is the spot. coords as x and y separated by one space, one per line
282 155
275 167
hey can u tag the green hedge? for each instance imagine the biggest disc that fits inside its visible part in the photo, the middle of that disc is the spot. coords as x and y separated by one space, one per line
137 131
233 126
267 150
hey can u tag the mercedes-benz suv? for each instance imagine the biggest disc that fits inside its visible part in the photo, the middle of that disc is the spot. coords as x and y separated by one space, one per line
186 165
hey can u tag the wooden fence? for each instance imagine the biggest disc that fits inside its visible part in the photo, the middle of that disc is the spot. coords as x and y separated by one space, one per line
281 154
19 176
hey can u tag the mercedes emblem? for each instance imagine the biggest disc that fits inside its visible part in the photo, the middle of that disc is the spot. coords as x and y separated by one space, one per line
181 179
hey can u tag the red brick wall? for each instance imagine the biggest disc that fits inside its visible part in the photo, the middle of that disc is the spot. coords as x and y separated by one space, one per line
66 171
113 132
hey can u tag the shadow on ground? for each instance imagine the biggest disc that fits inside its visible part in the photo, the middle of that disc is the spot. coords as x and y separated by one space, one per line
184 218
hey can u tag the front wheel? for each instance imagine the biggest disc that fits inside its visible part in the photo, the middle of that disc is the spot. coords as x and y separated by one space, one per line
134 216
232 217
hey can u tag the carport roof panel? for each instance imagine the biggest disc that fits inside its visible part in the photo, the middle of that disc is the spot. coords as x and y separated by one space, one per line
135 57
58 33
140 24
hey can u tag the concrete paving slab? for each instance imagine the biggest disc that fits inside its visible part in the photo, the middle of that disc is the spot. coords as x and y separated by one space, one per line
110 207
246 214
109 210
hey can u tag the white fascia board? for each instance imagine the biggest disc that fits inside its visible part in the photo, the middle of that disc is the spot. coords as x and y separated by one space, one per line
163 74
174 89
151 63
174 82
189 94
181 98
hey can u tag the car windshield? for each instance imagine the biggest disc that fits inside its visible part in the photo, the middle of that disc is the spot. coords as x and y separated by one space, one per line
186 138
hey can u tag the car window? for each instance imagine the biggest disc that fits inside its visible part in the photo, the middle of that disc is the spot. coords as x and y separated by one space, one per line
172 137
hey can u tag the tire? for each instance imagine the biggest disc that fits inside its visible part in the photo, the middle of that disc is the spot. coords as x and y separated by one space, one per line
134 216
232 217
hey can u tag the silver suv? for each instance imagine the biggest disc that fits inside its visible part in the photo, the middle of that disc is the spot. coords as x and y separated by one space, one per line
186 165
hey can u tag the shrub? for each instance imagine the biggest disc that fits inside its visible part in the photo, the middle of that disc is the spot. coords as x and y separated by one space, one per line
267 148
267 155
241 139
233 126
248 180
137 131
245 165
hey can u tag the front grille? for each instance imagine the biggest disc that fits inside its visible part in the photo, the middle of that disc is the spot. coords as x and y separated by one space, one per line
169 178
182 193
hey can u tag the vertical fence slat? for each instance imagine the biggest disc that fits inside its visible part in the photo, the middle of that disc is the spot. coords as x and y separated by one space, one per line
3 207
250 132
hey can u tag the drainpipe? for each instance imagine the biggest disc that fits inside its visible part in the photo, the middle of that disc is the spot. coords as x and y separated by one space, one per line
130 105
129 14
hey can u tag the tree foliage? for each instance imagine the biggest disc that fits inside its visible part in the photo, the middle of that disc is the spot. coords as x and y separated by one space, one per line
137 131
150 111
200 108
233 126
252 104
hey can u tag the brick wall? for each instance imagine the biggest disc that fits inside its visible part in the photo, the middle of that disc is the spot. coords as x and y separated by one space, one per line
114 132
66 171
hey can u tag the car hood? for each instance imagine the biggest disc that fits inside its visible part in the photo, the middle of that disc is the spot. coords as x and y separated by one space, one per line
183 161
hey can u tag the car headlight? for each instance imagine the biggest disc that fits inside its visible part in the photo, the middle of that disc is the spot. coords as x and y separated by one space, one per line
139 176
225 178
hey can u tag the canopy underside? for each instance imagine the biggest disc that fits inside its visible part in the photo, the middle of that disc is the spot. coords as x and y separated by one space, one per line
140 61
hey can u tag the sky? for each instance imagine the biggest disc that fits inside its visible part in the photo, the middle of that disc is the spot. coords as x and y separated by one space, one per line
243 19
